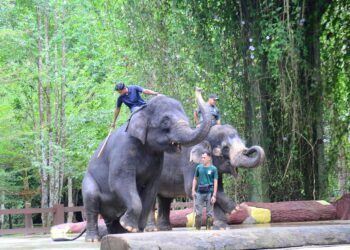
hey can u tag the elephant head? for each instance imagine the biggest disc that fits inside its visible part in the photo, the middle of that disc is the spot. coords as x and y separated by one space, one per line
230 152
163 125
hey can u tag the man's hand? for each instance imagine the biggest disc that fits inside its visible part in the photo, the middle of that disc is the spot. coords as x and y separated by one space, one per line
193 194
213 199
113 125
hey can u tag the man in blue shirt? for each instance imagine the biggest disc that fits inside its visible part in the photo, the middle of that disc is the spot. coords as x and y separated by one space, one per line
130 96
215 113
204 189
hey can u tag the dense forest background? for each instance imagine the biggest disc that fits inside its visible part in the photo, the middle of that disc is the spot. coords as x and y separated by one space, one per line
281 69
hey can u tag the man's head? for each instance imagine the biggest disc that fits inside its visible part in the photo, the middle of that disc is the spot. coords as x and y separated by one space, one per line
120 88
206 157
212 99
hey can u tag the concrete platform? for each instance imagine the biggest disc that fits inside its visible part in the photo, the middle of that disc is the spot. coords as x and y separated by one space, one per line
267 236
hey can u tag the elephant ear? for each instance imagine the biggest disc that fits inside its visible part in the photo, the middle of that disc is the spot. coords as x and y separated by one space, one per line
137 126
197 151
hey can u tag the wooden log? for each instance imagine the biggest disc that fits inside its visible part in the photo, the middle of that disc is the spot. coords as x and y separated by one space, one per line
343 207
293 211
239 238
288 211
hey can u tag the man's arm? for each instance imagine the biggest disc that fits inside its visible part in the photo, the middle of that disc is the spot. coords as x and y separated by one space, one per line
116 114
149 92
218 122
194 184
215 187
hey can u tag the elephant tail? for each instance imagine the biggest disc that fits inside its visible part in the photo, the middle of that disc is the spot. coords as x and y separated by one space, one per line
56 237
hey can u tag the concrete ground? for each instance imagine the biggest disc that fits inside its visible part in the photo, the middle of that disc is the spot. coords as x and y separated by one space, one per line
44 242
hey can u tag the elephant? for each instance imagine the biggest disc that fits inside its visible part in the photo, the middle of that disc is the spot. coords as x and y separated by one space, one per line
121 184
228 153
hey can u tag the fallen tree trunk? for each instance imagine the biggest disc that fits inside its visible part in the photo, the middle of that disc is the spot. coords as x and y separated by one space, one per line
289 211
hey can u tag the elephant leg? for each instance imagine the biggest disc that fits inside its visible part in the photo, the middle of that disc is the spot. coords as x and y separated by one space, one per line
92 206
114 227
148 199
126 191
222 206
226 203
163 222
151 221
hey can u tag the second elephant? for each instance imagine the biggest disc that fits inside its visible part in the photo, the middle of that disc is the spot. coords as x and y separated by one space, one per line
228 153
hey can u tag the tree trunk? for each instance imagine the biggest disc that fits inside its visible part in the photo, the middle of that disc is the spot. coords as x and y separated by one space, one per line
62 107
2 207
252 95
50 165
311 88
70 198
43 172
27 200
343 171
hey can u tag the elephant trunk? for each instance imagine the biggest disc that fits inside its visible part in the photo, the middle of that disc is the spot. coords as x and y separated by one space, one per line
189 137
246 161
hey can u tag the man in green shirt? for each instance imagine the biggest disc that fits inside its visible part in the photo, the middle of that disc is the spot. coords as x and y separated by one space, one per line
206 176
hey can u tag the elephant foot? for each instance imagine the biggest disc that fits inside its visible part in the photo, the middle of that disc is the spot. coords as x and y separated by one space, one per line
164 227
220 225
151 228
129 224
92 236
249 220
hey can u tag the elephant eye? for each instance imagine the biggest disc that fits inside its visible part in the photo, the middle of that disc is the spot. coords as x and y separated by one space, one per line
165 122
225 151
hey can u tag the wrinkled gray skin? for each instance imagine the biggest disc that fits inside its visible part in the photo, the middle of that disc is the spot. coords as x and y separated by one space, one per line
228 153
122 183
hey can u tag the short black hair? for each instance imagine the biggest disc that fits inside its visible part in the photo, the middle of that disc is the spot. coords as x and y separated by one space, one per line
119 86
208 153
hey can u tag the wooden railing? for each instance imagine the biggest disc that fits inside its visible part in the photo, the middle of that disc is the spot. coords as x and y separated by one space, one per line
58 212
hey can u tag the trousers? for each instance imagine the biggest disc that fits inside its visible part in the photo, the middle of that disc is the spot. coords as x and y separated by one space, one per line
203 199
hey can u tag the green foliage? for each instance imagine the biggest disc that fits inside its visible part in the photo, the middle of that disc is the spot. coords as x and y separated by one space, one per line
336 67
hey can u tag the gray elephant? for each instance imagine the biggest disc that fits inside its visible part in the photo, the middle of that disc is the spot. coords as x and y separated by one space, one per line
228 153
122 183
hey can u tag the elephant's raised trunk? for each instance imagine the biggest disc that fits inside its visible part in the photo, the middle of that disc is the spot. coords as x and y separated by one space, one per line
189 137
244 160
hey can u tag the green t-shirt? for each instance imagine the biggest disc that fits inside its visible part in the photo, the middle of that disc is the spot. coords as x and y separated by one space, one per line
206 175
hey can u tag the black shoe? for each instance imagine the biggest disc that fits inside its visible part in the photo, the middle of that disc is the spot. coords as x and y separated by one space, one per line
209 222
198 222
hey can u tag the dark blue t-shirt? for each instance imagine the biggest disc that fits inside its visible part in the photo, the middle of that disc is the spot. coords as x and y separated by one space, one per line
132 99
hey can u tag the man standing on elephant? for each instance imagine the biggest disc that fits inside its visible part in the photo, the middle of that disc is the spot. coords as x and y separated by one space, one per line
213 110
130 96
204 194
